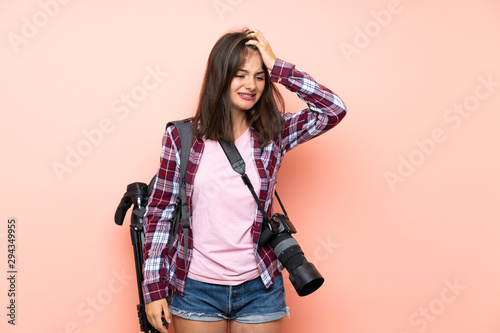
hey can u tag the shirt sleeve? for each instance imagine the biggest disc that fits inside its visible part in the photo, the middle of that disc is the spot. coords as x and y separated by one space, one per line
158 219
325 108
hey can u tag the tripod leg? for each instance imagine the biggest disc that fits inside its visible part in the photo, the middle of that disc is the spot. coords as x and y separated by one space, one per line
136 234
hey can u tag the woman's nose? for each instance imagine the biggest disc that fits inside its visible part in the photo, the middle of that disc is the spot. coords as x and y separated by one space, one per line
250 83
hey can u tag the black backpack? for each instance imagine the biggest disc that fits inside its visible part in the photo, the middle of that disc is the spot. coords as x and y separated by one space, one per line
138 194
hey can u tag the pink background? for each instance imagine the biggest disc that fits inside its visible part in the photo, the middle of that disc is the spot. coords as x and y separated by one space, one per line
399 206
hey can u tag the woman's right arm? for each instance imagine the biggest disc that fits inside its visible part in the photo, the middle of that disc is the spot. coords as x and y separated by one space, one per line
155 311
157 225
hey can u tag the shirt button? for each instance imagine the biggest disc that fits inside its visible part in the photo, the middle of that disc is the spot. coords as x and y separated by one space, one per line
279 79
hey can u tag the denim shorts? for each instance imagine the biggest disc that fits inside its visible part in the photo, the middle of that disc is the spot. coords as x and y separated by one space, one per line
249 302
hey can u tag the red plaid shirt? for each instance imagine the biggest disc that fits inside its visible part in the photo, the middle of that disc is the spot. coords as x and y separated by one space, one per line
162 270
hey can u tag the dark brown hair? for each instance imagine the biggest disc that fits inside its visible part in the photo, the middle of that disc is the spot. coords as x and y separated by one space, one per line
213 115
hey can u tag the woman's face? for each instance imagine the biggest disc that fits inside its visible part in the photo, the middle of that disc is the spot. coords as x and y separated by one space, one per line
248 84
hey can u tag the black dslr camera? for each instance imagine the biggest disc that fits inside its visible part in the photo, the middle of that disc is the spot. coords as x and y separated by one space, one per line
277 232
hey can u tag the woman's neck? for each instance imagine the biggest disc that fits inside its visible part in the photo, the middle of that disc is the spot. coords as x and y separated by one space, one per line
240 124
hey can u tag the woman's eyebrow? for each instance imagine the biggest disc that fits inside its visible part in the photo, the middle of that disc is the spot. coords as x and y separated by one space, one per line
246 71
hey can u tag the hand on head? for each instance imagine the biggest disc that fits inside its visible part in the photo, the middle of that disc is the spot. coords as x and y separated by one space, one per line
261 43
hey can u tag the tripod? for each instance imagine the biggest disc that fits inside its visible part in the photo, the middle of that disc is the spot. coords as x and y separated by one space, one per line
137 195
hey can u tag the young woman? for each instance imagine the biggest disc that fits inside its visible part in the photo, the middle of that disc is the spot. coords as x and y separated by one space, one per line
226 279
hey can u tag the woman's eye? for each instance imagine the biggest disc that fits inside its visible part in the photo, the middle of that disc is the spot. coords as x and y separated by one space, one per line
259 78
240 76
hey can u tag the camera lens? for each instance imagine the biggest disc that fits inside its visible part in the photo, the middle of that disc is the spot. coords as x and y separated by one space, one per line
304 276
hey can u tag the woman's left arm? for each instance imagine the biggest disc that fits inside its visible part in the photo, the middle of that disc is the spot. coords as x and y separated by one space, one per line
326 109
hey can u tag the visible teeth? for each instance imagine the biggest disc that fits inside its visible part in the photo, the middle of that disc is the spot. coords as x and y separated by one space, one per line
246 95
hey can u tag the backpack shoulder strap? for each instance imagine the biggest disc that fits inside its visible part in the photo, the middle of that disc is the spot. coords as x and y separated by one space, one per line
185 130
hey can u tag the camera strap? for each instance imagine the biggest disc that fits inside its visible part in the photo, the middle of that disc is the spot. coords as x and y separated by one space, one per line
238 165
